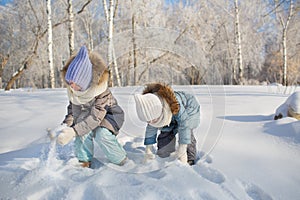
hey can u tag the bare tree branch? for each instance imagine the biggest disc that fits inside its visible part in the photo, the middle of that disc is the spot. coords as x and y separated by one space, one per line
274 9
83 7
39 34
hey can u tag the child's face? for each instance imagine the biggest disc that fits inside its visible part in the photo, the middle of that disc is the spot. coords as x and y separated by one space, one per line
74 86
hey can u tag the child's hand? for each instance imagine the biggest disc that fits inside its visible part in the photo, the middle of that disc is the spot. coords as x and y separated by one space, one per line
182 153
66 135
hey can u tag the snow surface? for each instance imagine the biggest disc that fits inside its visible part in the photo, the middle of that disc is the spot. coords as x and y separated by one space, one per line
293 101
243 153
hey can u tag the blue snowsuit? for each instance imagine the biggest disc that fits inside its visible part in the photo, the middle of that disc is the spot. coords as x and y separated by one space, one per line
185 118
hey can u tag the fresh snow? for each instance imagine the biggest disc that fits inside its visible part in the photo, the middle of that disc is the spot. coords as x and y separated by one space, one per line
243 153
293 101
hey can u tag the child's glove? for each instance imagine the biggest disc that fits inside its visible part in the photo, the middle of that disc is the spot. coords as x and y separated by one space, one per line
149 155
66 135
181 153
52 133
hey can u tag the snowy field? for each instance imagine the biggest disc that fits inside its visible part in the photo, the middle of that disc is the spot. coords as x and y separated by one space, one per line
243 153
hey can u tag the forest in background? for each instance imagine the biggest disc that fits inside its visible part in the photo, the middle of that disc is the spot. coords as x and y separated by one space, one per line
177 42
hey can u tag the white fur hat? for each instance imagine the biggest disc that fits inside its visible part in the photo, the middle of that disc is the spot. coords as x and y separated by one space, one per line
148 106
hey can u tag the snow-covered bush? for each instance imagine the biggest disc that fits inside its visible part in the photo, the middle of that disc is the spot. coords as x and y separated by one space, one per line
290 108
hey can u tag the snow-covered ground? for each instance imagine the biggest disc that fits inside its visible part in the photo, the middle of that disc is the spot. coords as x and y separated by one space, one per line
243 152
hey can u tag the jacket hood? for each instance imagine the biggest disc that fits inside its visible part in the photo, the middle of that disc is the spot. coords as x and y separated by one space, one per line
99 70
165 92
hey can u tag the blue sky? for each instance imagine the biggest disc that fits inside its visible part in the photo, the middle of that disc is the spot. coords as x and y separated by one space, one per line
3 2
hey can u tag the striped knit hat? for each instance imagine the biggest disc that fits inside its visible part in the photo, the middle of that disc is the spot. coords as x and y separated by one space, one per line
80 69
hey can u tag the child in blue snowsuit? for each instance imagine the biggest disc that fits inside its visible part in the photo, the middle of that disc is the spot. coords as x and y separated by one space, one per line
171 112
93 112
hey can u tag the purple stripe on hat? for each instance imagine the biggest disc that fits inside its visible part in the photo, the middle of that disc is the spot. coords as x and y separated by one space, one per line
80 69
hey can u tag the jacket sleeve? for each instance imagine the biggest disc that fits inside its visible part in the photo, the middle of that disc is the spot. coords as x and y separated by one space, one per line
94 119
188 117
150 135
69 120
184 131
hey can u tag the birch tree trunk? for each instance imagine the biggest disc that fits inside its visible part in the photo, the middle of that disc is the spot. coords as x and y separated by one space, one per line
105 10
116 66
71 23
110 35
113 14
112 62
284 39
134 46
284 57
238 44
71 27
50 42
284 24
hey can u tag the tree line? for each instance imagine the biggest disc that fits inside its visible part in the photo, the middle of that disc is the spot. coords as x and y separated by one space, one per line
175 42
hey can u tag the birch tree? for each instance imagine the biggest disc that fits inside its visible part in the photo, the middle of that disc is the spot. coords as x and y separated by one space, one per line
134 45
37 33
238 43
233 35
110 11
285 24
71 18
71 27
50 44
34 21
284 19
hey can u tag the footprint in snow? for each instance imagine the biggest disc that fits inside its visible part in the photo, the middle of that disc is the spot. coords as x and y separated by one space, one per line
157 174
209 173
255 192
204 157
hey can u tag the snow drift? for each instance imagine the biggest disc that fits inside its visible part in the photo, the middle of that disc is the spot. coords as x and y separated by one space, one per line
243 153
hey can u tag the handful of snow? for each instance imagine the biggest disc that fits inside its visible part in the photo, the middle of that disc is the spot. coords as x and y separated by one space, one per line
53 133
290 108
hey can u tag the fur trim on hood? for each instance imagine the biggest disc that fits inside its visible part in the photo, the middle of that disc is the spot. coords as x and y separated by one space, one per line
166 92
100 72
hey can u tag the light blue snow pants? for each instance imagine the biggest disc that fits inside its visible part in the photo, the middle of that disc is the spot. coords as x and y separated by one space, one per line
84 146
